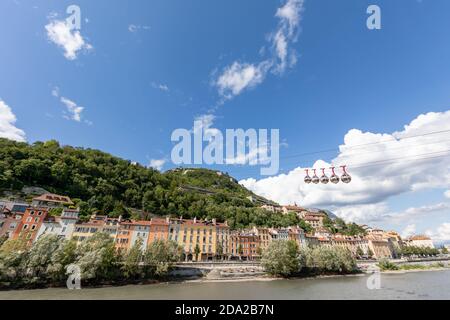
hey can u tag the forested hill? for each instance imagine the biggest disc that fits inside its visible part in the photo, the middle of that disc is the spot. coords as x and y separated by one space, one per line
102 183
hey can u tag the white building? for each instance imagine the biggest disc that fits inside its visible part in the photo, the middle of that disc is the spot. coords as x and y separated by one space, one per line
62 226
420 241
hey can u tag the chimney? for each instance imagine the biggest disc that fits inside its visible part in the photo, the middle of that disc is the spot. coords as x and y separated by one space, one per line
214 221
195 220
168 219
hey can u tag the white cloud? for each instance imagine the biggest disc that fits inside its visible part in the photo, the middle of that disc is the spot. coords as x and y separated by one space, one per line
135 28
238 77
7 124
409 231
416 167
157 164
60 33
441 234
289 15
160 86
73 109
447 194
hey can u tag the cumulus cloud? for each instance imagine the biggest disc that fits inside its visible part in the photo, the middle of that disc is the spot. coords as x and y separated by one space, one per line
157 164
7 124
238 76
381 165
447 194
409 231
74 110
442 233
61 33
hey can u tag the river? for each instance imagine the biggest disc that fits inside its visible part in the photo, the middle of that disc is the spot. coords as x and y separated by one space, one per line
414 285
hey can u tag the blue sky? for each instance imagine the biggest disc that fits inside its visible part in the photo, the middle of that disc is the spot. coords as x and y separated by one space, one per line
151 68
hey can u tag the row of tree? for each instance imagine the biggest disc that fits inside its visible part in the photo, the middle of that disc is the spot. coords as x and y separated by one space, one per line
408 251
48 259
284 258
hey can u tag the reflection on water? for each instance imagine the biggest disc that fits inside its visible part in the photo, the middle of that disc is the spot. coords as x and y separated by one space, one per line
418 285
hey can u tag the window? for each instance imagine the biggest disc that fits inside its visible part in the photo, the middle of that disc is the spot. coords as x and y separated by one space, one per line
40 213
36 219
33 227
31 212
25 227
29 219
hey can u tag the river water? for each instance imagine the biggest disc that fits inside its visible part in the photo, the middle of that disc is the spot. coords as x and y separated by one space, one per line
414 285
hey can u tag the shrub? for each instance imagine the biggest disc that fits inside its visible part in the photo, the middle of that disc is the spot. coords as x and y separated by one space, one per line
281 258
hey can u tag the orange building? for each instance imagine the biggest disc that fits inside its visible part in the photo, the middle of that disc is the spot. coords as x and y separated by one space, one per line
30 224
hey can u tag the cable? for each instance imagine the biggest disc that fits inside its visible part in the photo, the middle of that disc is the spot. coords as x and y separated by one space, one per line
365 144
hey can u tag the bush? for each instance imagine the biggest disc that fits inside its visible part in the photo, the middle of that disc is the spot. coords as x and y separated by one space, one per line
327 260
385 265
281 258
161 256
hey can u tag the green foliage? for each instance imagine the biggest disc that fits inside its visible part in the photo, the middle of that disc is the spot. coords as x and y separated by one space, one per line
97 258
386 265
131 265
327 260
339 226
3 239
281 258
409 251
103 184
444 250
359 252
161 256
55 212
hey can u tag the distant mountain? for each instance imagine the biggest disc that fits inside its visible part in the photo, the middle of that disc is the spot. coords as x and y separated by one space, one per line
330 214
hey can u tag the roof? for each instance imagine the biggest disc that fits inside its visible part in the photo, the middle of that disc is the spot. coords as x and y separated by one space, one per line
53 198
419 237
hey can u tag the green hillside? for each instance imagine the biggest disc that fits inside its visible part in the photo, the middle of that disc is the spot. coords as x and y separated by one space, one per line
104 184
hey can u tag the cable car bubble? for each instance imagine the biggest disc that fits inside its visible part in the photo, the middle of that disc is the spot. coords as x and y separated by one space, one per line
345 178
307 178
324 178
315 178
334 177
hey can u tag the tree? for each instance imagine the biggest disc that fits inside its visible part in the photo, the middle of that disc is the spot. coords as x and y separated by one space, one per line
444 250
3 239
359 252
160 257
219 250
40 256
196 251
327 260
97 257
64 256
13 258
131 268
370 253
281 258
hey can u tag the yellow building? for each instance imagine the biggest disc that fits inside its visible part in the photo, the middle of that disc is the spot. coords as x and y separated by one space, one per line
197 238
